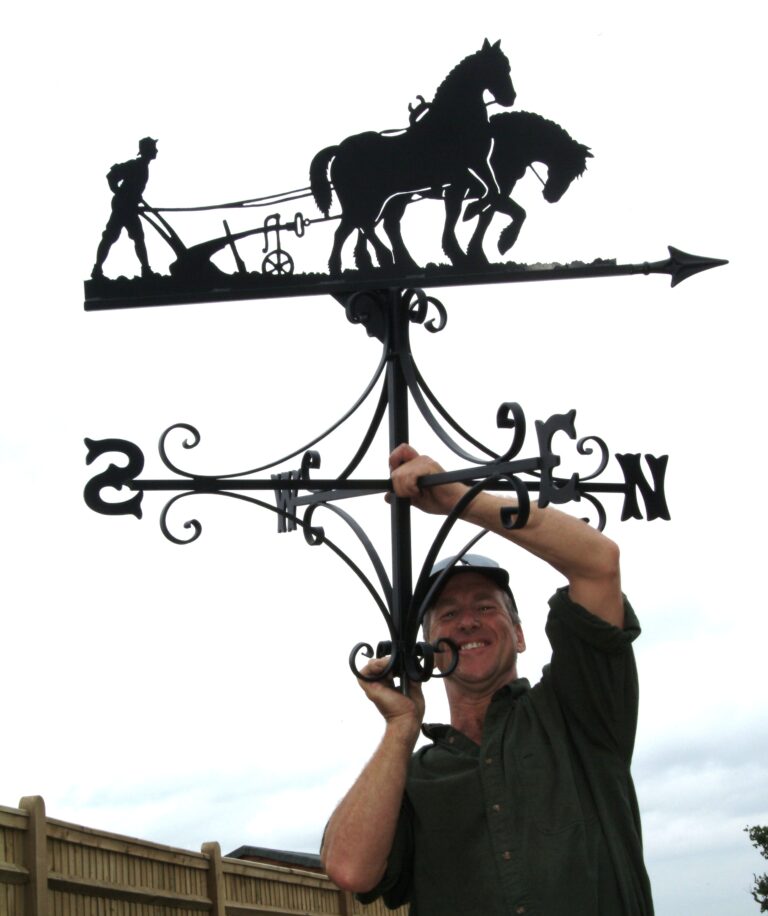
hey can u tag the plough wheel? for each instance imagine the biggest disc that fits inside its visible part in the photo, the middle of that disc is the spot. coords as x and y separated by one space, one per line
277 262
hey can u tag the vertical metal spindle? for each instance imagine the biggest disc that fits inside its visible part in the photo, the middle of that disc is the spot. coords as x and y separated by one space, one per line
400 509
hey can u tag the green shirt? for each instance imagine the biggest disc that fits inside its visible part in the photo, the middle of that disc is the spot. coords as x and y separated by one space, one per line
541 819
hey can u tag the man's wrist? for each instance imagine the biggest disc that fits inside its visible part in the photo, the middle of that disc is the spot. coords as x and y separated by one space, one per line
403 730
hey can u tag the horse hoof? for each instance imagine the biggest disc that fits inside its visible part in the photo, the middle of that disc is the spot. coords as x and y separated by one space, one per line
506 242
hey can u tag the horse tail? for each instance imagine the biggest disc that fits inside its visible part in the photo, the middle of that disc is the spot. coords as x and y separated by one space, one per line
318 178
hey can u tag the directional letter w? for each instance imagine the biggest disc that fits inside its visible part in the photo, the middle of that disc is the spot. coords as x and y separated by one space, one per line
285 499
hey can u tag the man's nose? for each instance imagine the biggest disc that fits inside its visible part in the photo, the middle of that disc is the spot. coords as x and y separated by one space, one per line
469 621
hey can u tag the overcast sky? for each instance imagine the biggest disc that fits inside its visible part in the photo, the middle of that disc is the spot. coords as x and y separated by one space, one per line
191 693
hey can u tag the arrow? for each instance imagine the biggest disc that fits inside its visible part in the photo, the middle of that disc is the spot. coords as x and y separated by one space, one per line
681 265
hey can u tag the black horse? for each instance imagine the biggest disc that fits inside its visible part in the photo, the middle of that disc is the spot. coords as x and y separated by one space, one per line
520 138
445 147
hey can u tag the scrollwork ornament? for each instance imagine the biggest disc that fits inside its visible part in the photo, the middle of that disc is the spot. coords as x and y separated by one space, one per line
583 449
417 303
602 517
420 662
193 523
510 415
367 651
442 645
365 307
514 517
314 535
310 461
186 443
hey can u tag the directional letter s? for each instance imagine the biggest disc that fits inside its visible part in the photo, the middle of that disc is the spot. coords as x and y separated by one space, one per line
114 476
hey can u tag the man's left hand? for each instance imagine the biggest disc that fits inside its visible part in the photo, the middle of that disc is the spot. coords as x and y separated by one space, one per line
407 466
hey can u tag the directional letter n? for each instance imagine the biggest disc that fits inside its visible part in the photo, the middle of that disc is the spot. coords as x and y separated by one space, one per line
653 495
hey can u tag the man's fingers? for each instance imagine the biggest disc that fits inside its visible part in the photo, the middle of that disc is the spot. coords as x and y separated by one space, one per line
404 452
375 666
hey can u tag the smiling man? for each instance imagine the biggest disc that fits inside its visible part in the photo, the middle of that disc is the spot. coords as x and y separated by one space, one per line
524 804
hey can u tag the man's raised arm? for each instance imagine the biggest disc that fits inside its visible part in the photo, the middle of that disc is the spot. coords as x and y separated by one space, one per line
587 559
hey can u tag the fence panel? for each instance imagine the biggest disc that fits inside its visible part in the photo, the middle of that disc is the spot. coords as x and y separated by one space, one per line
51 868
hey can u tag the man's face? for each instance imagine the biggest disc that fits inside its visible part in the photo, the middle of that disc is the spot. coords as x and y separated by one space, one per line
471 611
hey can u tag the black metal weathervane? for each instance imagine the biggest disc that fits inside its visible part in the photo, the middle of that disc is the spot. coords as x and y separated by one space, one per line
451 151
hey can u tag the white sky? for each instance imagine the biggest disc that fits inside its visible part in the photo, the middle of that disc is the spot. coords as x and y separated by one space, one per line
184 694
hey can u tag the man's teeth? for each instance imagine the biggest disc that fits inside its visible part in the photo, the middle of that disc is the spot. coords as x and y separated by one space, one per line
472 645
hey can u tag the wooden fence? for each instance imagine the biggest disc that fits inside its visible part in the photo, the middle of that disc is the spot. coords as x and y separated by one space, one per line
51 868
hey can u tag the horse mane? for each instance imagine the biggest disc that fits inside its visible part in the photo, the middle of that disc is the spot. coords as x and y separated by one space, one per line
547 132
453 75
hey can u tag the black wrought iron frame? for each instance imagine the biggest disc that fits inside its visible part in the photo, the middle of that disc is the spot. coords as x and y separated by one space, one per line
387 315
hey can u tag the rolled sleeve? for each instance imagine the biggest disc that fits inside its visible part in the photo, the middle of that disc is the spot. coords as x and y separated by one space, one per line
594 674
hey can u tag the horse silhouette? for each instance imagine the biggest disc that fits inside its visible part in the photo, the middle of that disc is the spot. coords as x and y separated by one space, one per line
520 138
451 141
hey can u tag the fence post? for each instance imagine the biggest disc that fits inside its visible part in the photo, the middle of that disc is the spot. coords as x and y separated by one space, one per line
346 903
215 878
36 855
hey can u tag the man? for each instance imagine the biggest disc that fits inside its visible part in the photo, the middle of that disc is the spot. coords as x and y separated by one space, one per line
525 803
127 181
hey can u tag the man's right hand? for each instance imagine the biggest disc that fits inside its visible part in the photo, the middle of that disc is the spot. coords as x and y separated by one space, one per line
401 712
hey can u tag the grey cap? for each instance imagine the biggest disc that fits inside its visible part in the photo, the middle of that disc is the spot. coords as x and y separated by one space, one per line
469 562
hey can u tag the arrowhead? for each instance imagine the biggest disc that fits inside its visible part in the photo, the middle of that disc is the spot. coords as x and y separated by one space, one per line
682 265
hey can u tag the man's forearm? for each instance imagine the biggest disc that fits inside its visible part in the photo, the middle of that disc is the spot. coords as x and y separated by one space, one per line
359 835
587 559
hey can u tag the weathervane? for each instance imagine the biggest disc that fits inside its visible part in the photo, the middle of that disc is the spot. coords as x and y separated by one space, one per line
451 151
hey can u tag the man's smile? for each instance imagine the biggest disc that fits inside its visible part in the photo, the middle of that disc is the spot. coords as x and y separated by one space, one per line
477 644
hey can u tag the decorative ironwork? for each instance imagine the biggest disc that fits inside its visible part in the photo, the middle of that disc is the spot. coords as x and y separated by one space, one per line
298 494
451 150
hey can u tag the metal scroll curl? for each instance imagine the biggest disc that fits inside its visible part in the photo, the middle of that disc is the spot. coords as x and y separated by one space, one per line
418 302
186 444
192 523
315 536
418 664
509 415
602 517
583 449
196 437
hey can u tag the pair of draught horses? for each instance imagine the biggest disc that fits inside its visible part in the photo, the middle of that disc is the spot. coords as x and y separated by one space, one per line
451 150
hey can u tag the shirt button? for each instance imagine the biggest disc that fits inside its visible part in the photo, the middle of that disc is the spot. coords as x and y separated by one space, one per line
520 909
451 740
496 808
507 855
488 761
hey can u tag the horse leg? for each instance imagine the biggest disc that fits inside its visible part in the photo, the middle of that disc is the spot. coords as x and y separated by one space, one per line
509 234
383 254
492 195
343 231
451 247
393 214
362 257
475 252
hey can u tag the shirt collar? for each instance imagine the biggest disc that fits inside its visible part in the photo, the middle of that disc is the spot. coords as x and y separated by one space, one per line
436 731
